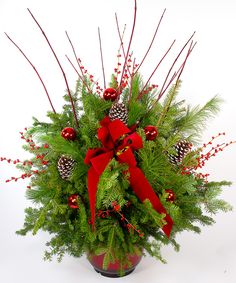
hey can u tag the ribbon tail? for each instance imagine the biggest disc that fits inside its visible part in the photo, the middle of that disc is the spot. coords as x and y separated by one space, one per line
93 179
143 190
168 227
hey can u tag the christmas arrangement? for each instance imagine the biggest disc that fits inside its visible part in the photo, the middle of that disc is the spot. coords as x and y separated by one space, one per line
118 172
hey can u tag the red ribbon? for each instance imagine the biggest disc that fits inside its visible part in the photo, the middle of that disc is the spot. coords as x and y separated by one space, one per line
117 140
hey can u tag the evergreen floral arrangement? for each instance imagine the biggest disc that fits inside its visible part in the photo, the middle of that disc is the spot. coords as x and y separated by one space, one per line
118 172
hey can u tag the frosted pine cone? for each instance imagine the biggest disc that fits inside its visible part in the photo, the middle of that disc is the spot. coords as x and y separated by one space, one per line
65 166
119 111
182 148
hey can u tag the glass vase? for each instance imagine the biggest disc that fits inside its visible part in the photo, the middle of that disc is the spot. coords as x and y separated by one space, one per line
114 269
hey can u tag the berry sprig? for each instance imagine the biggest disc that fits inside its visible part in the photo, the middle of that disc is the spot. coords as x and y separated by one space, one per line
117 209
34 147
130 226
128 72
203 177
149 89
85 73
212 151
126 76
26 175
32 144
29 140
117 70
28 163
212 139
17 161
190 170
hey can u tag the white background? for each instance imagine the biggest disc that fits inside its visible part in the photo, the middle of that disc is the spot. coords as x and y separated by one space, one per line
210 257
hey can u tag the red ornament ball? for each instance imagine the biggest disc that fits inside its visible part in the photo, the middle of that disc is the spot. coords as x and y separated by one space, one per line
171 195
110 94
73 201
150 132
68 133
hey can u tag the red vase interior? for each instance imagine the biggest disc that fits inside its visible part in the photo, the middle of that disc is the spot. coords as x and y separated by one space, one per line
113 269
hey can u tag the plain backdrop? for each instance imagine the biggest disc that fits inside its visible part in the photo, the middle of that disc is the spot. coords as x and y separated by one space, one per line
206 258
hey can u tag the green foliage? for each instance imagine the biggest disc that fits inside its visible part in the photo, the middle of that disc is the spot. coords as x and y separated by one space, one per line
72 233
194 120
112 186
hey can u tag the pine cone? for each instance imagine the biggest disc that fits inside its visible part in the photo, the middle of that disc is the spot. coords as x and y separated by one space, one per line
65 166
182 148
119 111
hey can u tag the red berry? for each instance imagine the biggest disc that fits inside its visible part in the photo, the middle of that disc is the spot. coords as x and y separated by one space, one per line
117 207
110 94
68 133
150 132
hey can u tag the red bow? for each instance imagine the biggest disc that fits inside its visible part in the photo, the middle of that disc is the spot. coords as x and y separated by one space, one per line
118 140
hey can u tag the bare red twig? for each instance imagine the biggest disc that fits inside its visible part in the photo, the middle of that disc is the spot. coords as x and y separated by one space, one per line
131 81
77 72
178 75
121 40
130 41
36 71
103 69
154 36
73 66
141 93
179 72
76 58
173 76
172 66
120 36
191 47
59 64
117 71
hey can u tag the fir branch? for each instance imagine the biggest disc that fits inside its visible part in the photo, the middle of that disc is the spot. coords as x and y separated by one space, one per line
173 92
194 119
42 217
